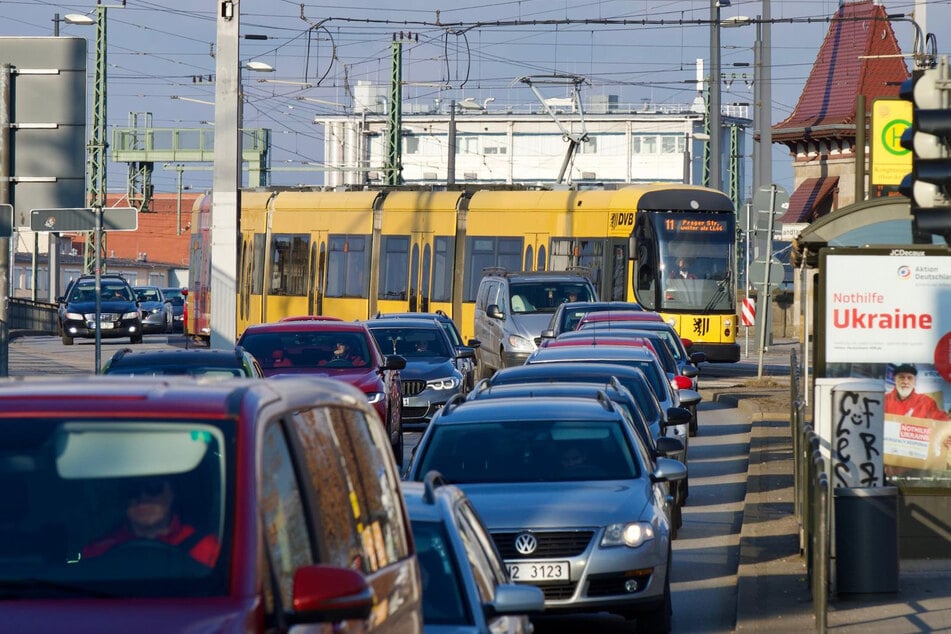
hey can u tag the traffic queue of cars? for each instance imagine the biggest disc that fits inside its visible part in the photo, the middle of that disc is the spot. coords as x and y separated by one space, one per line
553 484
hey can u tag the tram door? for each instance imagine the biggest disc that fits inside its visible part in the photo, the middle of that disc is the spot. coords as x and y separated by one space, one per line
406 273
318 273
536 252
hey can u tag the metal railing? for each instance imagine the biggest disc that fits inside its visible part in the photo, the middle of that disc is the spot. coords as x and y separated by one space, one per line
32 316
811 500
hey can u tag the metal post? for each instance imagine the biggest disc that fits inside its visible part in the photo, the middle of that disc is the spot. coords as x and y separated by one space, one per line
226 195
97 233
820 597
715 115
97 144
764 303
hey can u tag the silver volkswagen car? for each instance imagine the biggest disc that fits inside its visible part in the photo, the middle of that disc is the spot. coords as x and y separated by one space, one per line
568 492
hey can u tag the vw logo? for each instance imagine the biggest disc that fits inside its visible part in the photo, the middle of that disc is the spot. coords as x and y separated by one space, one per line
526 544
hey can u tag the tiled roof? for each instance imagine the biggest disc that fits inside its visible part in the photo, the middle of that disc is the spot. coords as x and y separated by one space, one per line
859 55
810 200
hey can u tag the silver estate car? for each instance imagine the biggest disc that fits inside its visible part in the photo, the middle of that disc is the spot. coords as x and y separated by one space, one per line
569 494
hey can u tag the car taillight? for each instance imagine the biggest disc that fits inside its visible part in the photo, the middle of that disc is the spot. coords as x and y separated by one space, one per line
683 382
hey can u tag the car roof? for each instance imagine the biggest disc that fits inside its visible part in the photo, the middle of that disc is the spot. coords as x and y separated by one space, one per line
177 398
307 325
521 409
409 315
582 353
622 315
403 322
421 497
556 371
179 356
530 389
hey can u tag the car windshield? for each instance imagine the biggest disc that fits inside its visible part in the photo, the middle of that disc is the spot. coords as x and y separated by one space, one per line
545 297
308 349
442 592
412 342
148 295
530 451
82 498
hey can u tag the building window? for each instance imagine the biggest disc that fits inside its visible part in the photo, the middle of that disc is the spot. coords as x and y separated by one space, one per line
672 144
589 147
411 144
467 145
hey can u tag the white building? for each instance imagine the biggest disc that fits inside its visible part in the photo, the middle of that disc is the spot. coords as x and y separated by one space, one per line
497 143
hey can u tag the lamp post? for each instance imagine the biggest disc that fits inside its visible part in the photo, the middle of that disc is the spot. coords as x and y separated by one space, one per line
715 115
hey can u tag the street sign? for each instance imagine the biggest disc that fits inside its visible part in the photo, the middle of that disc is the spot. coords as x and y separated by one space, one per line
777 272
6 221
765 204
889 161
84 219
789 230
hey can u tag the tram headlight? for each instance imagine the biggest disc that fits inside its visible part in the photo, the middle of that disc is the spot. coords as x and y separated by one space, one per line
518 343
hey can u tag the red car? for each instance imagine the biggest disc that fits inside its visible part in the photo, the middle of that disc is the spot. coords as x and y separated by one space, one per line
313 346
167 504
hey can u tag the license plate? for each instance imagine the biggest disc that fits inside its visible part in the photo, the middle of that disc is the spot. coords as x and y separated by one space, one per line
406 402
106 325
528 571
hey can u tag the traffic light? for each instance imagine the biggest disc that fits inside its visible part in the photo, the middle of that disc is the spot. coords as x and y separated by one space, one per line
928 186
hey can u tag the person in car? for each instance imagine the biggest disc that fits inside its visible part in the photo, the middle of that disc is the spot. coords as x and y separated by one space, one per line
150 516
342 355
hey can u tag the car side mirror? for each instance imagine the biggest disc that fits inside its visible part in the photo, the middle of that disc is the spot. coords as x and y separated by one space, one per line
325 594
669 470
677 416
548 333
668 445
465 352
474 343
494 312
698 357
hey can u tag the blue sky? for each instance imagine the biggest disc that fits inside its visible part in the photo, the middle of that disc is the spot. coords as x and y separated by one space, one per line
161 49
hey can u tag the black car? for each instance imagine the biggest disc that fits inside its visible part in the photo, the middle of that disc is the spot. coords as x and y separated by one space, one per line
204 362
466 364
176 296
431 376
118 309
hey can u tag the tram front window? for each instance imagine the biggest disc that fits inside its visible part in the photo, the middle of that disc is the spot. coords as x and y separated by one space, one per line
698 270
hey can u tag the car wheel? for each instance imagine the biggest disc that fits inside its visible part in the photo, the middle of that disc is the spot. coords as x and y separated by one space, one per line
657 620
67 340
676 520
694 424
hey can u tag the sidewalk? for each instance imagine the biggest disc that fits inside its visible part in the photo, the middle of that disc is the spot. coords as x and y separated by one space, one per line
773 587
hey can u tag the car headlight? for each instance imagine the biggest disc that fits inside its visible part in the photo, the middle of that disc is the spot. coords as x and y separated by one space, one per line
631 534
130 315
78 316
446 383
520 344
375 397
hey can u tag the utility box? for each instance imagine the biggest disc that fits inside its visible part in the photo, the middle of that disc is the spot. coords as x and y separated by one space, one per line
866 537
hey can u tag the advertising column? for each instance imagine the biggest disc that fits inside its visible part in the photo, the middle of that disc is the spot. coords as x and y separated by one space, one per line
885 313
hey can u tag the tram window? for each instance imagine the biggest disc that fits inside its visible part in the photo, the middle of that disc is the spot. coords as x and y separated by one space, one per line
289 264
257 266
442 269
542 258
489 252
347 266
529 258
394 267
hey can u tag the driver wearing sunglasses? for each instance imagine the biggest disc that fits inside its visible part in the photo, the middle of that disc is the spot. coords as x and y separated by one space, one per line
150 516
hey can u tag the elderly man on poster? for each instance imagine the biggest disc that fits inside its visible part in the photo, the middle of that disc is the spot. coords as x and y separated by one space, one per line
904 400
